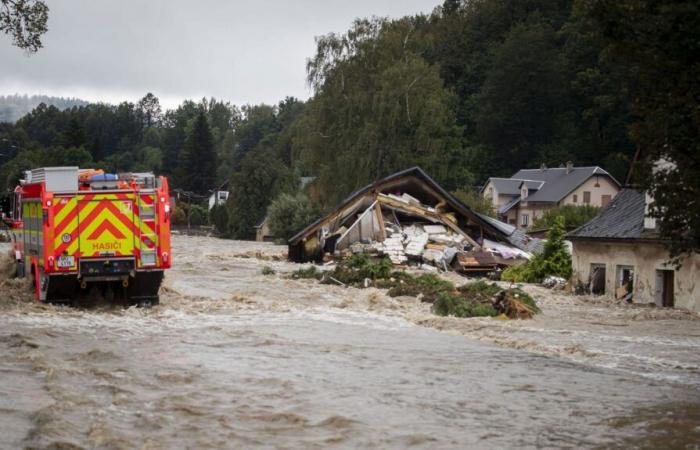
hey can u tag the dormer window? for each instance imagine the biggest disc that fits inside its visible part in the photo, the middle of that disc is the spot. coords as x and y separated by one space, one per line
523 192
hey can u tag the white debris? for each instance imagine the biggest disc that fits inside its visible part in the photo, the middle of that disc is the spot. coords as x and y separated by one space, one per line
505 251
552 282
415 241
447 239
435 229
428 267
394 249
435 256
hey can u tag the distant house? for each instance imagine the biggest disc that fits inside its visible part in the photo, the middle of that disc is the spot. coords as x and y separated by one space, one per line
524 197
219 196
619 253
262 231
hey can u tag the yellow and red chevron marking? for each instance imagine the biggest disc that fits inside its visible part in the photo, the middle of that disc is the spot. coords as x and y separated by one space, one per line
65 229
92 224
106 225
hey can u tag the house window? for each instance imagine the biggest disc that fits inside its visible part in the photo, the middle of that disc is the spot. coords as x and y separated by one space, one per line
624 282
604 200
575 198
490 192
524 220
586 197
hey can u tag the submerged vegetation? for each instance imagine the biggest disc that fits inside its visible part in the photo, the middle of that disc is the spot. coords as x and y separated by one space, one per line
477 299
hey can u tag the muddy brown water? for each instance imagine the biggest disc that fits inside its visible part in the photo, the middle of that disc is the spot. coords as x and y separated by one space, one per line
236 359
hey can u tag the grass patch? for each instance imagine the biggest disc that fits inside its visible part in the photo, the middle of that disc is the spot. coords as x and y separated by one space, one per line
310 272
267 270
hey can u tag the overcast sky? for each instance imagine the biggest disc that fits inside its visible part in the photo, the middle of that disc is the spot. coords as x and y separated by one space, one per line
241 51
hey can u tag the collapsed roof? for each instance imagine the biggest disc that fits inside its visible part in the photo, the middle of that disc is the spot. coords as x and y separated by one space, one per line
409 193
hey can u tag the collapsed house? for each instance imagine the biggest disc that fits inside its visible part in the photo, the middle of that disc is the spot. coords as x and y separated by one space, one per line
412 220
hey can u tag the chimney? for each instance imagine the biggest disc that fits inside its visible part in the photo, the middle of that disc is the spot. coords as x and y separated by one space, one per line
569 167
649 222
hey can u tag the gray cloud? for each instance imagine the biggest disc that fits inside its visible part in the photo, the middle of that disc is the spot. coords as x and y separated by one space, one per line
242 51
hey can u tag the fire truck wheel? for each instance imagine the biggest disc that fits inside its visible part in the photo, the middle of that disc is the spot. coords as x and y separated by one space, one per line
19 269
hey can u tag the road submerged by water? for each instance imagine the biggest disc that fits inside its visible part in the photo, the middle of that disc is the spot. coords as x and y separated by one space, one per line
233 358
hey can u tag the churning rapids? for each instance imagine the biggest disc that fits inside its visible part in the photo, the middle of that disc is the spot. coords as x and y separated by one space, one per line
236 359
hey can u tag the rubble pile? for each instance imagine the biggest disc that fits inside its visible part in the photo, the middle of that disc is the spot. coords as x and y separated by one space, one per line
412 238
409 219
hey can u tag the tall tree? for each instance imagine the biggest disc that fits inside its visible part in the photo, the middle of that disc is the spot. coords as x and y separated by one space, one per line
379 107
73 135
149 110
656 42
523 98
261 179
25 21
197 171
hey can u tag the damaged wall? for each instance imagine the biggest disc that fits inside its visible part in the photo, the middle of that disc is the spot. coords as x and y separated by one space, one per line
646 258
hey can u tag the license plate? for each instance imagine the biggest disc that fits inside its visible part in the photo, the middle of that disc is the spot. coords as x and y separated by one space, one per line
66 261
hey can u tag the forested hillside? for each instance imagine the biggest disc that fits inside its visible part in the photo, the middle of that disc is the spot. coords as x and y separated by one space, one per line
12 107
476 89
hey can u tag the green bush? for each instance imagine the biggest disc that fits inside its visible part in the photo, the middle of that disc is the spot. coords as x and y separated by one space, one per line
267 270
573 215
554 260
369 269
523 297
479 290
358 268
218 217
460 306
198 215
179 216
430 286
482 299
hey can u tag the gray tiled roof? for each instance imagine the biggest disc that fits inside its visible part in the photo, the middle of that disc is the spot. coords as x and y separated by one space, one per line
622 219
557 182
506 186
533 185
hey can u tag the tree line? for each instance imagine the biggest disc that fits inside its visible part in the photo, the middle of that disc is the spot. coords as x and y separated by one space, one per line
475 89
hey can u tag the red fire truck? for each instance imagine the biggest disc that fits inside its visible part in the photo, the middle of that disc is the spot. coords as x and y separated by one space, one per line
76 230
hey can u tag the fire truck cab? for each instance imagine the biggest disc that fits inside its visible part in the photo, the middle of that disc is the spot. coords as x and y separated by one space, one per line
77 229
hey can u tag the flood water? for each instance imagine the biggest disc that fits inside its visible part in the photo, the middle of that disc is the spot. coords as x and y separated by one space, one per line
236 359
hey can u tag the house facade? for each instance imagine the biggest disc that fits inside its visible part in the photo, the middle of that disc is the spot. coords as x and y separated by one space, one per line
528 194
619 254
